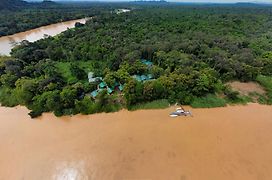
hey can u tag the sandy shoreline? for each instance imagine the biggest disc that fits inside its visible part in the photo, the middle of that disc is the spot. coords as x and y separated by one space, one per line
216 144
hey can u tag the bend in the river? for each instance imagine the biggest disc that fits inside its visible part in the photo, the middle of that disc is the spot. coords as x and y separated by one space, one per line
8 42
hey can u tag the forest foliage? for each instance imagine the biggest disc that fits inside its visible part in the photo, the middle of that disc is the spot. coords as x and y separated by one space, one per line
17 16
194 50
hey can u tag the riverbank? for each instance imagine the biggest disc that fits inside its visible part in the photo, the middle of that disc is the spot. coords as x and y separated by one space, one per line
220 143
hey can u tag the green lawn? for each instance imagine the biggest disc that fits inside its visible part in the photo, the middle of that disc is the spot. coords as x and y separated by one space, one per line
208 101
157 104
64 69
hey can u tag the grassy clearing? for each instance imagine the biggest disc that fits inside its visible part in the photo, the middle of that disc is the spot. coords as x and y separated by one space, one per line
64 69
86 65
209 101
266 82
157 104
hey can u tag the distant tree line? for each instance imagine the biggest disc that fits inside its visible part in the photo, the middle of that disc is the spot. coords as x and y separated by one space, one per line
18 16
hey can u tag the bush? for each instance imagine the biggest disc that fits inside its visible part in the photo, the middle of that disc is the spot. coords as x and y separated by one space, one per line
184 97
230 94
208 101
266 82
157 104
240 100
85 106
7 97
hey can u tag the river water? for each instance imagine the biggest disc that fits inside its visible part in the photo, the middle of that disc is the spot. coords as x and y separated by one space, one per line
7 42
215 144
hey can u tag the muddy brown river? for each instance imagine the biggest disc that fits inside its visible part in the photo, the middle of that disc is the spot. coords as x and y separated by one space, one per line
8 42
231 143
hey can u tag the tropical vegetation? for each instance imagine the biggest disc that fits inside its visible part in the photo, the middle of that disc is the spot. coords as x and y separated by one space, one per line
194 50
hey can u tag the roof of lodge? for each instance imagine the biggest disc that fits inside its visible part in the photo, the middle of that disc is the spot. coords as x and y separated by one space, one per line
121 87
143 77
146 62
102 84
109 90
94 93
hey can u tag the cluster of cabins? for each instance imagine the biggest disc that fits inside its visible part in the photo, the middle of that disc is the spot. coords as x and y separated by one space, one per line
103 86
117 86
142 78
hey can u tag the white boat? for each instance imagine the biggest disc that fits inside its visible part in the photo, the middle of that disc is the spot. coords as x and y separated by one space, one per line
180 112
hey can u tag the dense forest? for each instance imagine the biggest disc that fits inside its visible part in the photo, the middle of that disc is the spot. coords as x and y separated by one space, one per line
12 4
193 50
17 16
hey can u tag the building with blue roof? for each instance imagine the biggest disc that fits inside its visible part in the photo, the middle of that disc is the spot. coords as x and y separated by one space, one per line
102 85
94 93
147 62
109 90
143 77
116 84
92 78
137 77
149 76
121 87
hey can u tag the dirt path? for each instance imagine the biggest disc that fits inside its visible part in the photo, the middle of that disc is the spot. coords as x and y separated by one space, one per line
247 88
216 144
